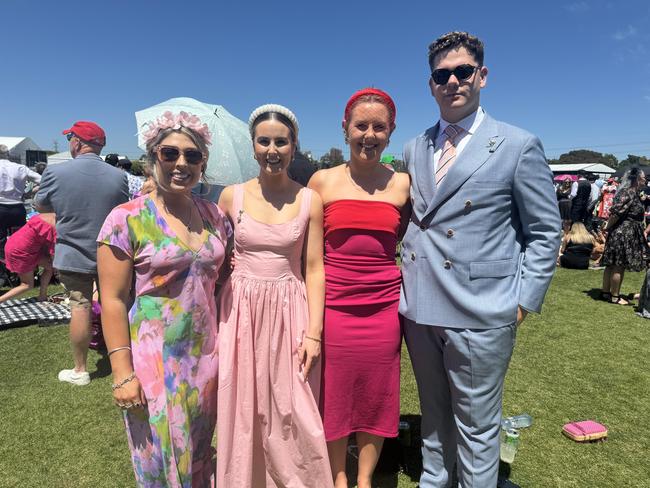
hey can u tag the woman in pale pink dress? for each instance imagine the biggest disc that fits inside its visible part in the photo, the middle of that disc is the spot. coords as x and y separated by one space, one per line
269 431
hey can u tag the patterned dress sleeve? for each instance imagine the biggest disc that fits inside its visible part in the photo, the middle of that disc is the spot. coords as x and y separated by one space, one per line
115 231
622 202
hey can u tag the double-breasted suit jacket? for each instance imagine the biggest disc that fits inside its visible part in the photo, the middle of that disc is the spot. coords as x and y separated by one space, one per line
484 241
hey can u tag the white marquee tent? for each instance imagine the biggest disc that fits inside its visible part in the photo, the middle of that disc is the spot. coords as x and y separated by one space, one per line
59 157
598 169
18 147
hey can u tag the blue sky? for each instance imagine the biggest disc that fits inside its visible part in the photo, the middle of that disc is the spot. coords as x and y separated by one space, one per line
576 73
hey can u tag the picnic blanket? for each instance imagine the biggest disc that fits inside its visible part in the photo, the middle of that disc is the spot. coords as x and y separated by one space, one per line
24 310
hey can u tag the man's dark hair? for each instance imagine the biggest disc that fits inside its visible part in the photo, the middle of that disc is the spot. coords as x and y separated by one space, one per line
455 40
591 177
112 159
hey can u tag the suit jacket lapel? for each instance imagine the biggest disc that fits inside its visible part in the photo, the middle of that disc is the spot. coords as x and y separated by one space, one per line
485 141
425 177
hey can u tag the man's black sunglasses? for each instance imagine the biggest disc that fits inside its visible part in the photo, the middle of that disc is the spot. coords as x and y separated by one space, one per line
69 136
462 72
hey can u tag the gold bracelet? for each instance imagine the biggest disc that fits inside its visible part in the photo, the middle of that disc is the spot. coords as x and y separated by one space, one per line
118 349
312 338
131 377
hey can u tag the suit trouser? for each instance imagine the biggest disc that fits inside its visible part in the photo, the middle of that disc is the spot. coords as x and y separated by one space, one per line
460 374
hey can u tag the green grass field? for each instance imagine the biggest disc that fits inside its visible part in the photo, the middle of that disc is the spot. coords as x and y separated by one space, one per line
581 359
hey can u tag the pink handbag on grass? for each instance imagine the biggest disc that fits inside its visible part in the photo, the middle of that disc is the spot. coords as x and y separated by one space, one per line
585 431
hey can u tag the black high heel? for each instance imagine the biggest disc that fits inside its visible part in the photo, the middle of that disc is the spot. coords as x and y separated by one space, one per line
616 300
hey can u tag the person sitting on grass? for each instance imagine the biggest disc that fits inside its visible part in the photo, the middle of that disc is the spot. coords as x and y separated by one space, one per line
576 248
26 249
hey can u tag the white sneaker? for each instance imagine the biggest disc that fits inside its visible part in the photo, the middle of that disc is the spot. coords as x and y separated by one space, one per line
72 376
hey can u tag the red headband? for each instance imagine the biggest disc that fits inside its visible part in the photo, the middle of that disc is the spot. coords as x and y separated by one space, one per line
371 91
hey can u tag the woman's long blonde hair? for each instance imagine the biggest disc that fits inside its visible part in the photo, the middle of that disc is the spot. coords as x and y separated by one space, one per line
578 234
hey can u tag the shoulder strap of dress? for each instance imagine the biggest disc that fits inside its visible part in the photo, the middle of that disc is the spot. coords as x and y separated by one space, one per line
237 200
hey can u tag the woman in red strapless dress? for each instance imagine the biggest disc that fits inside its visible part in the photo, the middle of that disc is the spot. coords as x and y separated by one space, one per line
365 206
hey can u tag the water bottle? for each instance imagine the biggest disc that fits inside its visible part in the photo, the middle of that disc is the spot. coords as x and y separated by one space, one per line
516 422
509 445
405 433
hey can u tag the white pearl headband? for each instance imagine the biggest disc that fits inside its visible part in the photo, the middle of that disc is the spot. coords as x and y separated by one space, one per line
273 107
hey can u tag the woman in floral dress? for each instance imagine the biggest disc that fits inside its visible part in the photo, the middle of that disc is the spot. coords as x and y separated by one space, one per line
163 346
626 244
607 198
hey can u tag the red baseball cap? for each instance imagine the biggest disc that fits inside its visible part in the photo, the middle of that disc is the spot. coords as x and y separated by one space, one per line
88 132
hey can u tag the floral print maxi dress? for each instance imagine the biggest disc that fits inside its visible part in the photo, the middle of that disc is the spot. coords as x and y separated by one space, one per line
173 332
626 244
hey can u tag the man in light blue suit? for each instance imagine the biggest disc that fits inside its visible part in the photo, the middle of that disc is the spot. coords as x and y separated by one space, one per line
478 255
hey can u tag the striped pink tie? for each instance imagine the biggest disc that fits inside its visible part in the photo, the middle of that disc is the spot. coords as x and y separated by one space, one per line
448 155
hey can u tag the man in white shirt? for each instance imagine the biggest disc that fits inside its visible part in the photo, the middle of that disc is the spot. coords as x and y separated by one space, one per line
13 177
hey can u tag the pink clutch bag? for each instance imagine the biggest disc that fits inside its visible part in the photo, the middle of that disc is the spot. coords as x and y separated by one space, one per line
585 431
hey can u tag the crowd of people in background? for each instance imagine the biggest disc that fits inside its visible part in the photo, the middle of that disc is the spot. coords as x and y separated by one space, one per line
606 222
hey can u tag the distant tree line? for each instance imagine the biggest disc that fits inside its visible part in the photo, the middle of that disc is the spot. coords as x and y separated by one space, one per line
334 157
584 156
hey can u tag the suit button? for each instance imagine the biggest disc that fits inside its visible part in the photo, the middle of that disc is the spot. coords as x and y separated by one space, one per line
423 227
468 203
450 233
412 256
447 264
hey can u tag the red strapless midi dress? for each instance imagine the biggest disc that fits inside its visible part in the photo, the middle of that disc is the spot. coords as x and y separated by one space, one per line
361 334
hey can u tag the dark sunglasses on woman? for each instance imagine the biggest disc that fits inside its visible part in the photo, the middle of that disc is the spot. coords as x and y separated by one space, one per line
170 154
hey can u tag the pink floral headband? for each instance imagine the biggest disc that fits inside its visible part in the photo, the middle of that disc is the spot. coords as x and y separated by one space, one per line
168 120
